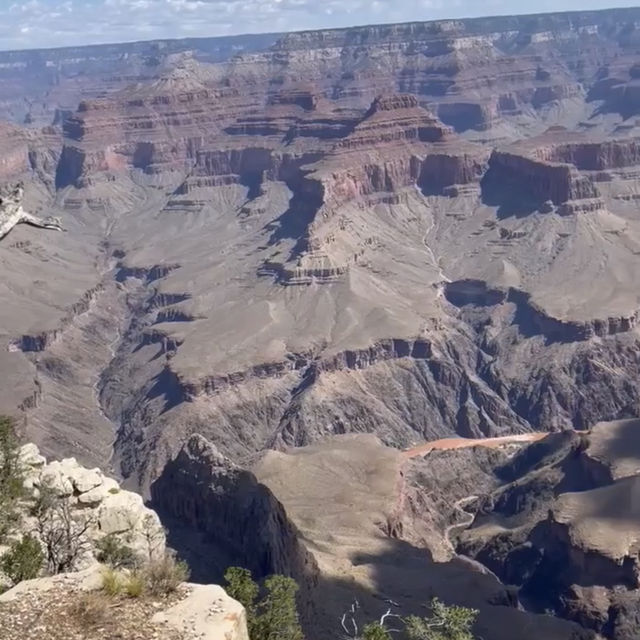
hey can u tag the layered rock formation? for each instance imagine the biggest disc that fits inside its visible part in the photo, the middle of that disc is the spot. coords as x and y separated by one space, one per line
567 503
434 233
94 504
40 86
475 72
310 191
206 497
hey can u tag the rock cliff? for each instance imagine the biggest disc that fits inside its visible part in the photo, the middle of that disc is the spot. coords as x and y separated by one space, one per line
237 520
411 231
94 505
67 504
568 504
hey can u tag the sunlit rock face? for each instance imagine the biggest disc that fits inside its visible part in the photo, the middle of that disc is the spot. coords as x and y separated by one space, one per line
410 231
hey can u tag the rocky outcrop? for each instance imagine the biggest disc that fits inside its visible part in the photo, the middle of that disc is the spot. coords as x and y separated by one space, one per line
93 504
237 519
384 350
14 152
568 528
196 612
588 155
40 341
206 613
544 181
531 318
448 170
392 118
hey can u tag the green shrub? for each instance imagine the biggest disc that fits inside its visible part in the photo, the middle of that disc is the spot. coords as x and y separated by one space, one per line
24 559
115 553
135 584
11 476
241 587
113 583
375 631
277 617
273 617
163 575
444 623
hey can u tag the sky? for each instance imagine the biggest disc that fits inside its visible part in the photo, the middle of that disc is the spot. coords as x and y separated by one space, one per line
26 24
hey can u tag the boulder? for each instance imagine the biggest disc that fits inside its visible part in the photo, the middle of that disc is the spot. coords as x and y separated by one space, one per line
96 495
29 456
55 478
85 479
207 613
120 512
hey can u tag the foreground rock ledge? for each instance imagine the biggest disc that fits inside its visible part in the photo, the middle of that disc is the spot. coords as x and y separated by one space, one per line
203 612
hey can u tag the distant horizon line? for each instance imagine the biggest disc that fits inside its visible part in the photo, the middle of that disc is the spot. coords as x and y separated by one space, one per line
280 34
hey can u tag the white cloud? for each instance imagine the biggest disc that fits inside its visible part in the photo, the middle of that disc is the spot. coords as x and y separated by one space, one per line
42 23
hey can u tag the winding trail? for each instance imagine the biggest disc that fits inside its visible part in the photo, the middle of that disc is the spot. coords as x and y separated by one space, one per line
463 443
470 517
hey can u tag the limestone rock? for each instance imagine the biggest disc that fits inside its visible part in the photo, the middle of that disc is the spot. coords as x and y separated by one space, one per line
207 613
94 498
97 494
200 612
86 580
120 512
55 477
29 456
84 480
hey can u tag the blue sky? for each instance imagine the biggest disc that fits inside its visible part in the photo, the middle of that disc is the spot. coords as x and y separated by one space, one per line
48 23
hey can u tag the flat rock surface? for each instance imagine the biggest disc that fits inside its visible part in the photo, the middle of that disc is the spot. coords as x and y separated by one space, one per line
55 614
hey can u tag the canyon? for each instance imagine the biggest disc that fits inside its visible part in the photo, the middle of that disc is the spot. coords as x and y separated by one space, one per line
321 249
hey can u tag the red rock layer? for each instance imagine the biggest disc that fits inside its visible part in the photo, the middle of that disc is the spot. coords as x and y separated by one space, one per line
559 183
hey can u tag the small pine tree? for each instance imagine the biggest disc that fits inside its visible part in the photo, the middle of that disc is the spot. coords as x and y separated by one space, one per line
241 587
277 617
115 553
24 559
445 623
273 617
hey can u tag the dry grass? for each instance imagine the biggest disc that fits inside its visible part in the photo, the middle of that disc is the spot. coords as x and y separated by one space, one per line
135 585
113 582
90 610
159 577
163 575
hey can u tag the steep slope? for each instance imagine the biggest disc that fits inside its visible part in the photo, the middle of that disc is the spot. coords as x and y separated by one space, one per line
435 234
563 527
348 267
350 508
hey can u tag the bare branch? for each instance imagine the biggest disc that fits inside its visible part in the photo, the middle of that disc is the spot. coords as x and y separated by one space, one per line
344 615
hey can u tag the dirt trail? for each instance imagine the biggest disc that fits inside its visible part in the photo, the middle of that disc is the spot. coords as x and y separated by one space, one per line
461 443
